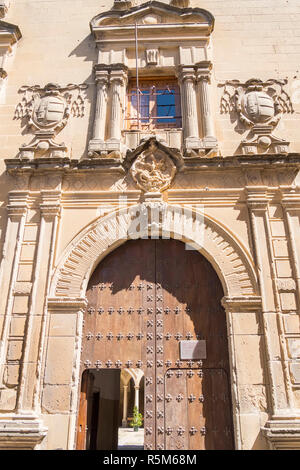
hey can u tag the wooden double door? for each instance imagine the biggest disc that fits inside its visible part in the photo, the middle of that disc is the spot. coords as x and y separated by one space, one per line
146 301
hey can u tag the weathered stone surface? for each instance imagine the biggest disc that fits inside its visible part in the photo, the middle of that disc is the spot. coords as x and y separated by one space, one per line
56 399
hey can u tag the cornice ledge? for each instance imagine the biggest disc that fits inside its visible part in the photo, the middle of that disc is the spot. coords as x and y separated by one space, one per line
273 161
10 30
16 166
108 164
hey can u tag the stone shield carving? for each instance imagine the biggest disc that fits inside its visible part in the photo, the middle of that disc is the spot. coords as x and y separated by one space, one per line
49 108
153 170
46 111
259 106
49 111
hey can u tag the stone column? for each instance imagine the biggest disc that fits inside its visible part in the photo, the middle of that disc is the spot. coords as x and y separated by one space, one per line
125 406
99 131
137 397
206 116
187 80
118 82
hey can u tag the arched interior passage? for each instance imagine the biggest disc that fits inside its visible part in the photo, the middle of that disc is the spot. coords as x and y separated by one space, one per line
155 305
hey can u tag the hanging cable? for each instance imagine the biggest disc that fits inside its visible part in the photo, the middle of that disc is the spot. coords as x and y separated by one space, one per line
137 75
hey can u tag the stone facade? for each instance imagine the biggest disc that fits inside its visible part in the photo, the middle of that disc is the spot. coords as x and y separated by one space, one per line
67 157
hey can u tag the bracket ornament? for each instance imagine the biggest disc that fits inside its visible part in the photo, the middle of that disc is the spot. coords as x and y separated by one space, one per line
47 111
259 106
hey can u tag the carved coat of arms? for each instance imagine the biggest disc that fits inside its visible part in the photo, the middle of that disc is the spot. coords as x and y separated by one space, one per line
47 111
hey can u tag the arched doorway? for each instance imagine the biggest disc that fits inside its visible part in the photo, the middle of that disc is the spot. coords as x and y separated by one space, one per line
156 305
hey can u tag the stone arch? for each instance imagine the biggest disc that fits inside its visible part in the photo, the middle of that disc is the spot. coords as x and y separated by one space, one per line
229 258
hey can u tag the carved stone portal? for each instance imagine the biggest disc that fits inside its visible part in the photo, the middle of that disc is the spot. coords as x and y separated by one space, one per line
153 170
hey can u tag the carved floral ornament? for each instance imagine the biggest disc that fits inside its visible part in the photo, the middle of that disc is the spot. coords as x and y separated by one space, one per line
153 168
153 171
259 106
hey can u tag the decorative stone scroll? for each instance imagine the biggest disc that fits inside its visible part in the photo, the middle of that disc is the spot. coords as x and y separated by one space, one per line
258 105
47 111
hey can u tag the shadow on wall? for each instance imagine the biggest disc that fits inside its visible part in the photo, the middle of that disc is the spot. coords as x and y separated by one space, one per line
87 49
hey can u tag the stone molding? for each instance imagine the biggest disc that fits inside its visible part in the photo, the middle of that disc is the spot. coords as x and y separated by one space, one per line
9 35
230 260
21 432
283 434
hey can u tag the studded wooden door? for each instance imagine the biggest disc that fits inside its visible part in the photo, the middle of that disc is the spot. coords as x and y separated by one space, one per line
144 299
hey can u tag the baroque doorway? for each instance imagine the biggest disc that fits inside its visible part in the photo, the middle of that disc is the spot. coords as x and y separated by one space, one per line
155 305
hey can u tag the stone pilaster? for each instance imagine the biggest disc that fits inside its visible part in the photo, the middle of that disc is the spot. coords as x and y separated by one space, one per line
274 346
290 201
60 379
118 82
10 352
206 114
99 131
187 80
244 332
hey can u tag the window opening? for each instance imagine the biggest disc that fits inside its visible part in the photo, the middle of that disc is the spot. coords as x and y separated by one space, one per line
152 104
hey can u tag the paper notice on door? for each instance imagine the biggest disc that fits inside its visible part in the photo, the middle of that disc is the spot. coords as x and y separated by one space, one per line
192 350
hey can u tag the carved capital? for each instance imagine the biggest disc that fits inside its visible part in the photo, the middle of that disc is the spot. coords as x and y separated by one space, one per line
290 198
186 74
119 74
242 304
203 71
17 204
256 198
67 304
101 75
50 205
